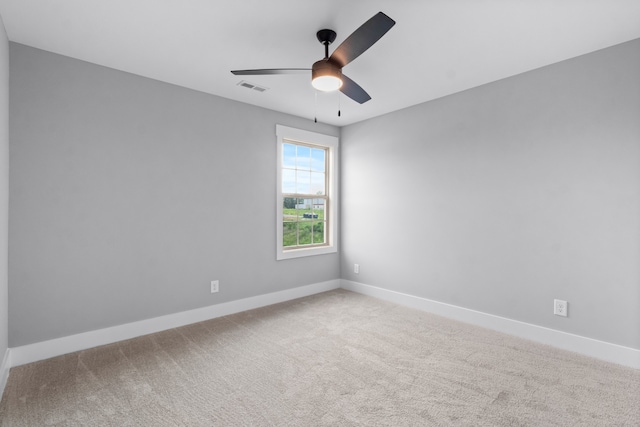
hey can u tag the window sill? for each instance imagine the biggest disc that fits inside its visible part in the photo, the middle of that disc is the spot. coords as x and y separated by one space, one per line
305 252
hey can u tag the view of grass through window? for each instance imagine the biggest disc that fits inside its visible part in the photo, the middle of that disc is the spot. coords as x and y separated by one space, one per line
304 173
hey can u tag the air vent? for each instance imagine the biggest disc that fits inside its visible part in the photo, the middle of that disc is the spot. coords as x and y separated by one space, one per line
252 86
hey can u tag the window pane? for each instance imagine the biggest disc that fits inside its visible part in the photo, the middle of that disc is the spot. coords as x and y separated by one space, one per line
288 181
299 207
318 233
318 208
307 213
304 157
317 183
288 156
303 181
289 212
317 160
304 233
290 234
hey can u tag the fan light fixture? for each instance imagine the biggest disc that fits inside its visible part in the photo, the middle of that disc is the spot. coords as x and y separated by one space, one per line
327 83
326 76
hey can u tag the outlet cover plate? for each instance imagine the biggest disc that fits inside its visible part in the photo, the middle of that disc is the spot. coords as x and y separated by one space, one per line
560 307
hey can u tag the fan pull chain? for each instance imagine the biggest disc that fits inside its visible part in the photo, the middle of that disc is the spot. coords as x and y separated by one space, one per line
338 104
315 112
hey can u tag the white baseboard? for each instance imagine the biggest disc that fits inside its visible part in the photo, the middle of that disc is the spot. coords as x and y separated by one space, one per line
59 346
44 350
4 370
586 346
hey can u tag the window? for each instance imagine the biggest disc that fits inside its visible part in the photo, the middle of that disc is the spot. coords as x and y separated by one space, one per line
307 193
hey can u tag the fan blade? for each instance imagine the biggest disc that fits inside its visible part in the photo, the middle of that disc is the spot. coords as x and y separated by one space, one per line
362 39
271 71
353 90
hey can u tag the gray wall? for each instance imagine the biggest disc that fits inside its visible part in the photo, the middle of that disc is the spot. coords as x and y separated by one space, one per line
4 187
128 196
506 196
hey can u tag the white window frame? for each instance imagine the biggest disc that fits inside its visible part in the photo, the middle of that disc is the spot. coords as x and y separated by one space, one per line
284 134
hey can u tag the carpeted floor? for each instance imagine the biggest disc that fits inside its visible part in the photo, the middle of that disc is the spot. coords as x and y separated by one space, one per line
333 359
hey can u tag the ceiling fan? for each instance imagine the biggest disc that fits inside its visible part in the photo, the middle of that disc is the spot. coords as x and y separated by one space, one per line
326 74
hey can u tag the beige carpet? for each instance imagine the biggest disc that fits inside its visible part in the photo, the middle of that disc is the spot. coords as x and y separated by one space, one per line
333 359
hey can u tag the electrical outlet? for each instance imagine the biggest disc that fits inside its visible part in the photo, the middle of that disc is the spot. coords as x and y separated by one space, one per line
560 307
215 286
356 268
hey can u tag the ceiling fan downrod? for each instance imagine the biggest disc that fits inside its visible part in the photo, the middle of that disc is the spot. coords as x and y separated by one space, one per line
326 37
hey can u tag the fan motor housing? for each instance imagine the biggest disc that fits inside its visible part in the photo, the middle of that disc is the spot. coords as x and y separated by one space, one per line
325 68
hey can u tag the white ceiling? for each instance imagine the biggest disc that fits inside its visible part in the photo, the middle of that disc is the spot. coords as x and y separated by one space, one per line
436 48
